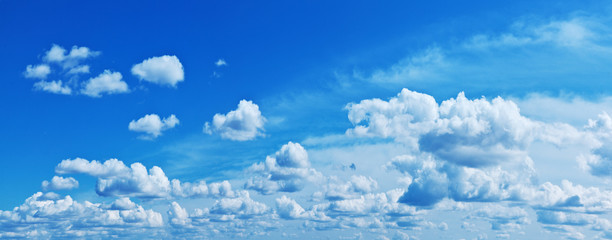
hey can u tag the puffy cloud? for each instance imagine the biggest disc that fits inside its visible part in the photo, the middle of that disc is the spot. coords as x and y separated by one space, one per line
123 203
473 133
39 71
60 183
109 168
138 183
57 54
241 206
599 161
569 197
163 70
178 215
56 87
431 181
67 218
220 62
117 179
286 171
357 185
152 125
244 123
106 83
289 209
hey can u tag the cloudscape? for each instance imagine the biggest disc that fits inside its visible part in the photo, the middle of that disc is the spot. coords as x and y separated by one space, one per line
306 120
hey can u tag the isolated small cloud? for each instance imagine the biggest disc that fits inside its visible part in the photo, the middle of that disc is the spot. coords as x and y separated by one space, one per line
244 123
60 183
220 63
152 125
56 87
106 83
38 71
164 70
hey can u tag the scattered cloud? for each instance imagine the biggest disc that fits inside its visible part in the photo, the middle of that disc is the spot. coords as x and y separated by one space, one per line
243 124
163 70
118 180
60 183
106 83
287 171
56 87
152 125
39 71
57 54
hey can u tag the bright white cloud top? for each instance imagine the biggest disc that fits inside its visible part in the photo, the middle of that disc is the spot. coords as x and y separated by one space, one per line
163 70
39 71
56 87
153 125
106 83
60 183
243 124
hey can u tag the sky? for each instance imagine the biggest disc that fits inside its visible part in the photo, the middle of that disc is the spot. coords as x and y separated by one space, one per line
314 119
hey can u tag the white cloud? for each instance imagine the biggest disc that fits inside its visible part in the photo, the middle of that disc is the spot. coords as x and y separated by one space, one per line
57 54
39 71
244 123
67 218
152 125
56 87
289 209
473 133
79 69
123 203
163 70
287 171
111 167
106 83
178 215
241 206
60 183
220 62
117 179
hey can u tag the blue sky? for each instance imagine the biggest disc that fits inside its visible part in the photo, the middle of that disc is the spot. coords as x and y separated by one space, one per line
327 120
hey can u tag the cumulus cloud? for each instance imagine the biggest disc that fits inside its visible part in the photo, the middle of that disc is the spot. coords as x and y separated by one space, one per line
67 218
152 125
244 123
357 185
599 161
287 171
117 179
39 71
56 87
474 133
163 70
289 209
57 54
60 183
106 83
